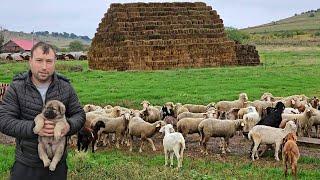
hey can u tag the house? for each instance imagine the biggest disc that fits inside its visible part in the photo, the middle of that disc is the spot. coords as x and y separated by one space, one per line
17 45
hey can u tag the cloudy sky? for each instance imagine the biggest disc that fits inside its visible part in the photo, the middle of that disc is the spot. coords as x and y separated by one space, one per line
83 16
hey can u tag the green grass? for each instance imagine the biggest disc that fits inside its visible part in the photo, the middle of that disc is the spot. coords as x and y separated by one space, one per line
282 73
121 164
300 22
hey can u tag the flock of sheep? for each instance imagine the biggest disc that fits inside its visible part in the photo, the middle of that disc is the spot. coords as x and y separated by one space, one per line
264 121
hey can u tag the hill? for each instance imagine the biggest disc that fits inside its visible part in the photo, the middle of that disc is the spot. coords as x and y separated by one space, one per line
307 22
59 41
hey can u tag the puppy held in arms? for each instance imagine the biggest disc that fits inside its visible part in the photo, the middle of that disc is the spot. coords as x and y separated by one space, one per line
50 149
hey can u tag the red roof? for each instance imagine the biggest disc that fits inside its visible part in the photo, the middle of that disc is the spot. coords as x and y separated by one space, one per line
24 44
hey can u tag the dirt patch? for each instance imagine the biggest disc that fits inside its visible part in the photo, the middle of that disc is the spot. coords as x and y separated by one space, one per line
238 146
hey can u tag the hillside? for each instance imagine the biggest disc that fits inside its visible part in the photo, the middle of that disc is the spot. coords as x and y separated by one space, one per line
60 42
303 22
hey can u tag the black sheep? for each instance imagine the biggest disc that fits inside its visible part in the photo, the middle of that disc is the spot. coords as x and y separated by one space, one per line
87 136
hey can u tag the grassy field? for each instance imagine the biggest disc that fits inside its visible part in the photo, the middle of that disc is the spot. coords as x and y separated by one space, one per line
121 164
302 22
283 73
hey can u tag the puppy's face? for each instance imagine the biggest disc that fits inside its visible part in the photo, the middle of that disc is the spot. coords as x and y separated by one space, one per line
54 109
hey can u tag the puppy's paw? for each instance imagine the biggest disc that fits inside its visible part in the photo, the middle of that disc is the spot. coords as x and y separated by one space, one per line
52 167
36 130
46 163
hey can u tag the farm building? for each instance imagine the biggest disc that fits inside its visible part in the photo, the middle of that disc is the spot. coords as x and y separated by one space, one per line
147 36
17 46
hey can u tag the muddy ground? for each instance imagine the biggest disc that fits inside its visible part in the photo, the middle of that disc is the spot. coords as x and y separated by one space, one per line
238 145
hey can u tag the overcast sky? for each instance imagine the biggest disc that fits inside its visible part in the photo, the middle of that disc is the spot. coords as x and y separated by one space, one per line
83 16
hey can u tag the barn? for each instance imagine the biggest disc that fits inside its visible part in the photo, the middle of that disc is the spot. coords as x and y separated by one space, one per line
17 46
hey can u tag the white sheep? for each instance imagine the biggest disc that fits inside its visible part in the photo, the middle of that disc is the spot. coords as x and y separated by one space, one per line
190 115
173 142
252 114
291 111
219 128
261 134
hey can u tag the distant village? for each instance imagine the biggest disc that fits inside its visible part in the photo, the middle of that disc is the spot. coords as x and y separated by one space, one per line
19 50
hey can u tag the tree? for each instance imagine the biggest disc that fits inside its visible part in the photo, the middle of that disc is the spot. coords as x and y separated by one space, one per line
236 35
76 46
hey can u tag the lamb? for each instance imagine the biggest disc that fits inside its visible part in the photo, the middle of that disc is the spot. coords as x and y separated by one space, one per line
145 130
116 125
225 106
303 121
219 128
198 108
251 119
242 112
269 135
173 142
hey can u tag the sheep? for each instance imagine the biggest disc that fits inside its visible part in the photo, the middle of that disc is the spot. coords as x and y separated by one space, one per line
315 102
303 121
88 135
169 105
190 125
91 107
173 142
251 119
190 115
273 119
108 108
165 111
241 112
145 104
269 97
260 105
316 121
178 109
115 112
225 106
151 114
219 128
198 108
171 120
269 135
116 125
145 130
291 111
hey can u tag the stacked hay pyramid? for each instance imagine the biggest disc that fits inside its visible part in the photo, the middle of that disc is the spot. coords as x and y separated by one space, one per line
150 36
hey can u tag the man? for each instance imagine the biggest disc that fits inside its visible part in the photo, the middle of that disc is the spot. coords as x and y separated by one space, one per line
24 100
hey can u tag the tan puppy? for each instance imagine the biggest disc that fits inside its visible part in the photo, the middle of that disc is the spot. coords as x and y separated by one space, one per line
50 149
290 154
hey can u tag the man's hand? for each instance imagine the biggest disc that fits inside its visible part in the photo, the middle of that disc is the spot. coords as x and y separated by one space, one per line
47 129
65 130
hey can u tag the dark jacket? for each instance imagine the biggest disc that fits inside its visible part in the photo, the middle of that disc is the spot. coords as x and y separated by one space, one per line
22 102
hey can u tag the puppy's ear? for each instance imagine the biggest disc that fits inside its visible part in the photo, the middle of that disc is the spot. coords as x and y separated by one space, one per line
62 109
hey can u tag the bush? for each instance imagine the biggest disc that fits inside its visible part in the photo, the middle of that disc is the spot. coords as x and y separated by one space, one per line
311 15
317 33
76 46
236 35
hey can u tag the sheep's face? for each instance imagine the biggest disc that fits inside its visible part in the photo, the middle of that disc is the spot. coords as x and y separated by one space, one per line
243 97
145 104
126 115
167 128
291 125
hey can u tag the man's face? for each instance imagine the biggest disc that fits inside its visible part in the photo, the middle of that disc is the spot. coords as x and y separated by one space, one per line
42 65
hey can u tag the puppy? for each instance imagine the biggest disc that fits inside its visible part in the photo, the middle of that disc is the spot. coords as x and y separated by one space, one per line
290 154
51 149
89 135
